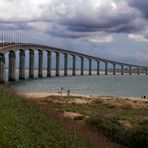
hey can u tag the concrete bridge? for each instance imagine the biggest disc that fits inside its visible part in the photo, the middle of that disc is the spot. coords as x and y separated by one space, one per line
11 48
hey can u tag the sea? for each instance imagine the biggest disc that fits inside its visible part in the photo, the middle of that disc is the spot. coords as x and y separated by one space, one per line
95 85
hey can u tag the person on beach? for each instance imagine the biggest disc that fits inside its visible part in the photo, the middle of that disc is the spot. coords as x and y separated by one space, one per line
68 92
61 90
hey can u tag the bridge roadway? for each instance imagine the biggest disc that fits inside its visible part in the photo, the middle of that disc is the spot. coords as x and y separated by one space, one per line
11 48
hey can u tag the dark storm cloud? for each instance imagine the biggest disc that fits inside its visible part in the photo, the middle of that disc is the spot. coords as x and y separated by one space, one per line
122 19
67 19
141 5
112 27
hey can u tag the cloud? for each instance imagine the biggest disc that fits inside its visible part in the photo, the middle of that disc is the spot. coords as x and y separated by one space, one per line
100 38
91 23
70 19
96 16
138 37
141 5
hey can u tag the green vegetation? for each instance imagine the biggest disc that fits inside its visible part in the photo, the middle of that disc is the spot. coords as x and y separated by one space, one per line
124 121
136 137
22 124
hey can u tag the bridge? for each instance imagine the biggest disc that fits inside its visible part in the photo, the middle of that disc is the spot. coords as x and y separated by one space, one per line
12 47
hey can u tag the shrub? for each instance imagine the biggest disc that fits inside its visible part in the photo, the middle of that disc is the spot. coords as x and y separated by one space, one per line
138 136
109 127
79 117
112 128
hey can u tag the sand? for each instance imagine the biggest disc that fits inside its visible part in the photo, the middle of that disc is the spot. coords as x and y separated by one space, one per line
40 95
44 94
71 115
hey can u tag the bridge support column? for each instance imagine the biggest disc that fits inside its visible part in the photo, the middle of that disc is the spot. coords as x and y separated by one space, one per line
31 64
106 68
130 70
57 64
74 65
65 64
22 65
48 64
40 64
146 71
138 71
98 67
82 66
114 69
2 69
12 66
90 67
122 69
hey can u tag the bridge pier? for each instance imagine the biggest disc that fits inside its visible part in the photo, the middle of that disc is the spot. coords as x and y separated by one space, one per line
106 68
98 67
65 64
146 71
130 70
74 65
48 64
82 66
90 67
22 65
114 69
57 64
2 69
138 71
40 64
12 66
122 69
31 63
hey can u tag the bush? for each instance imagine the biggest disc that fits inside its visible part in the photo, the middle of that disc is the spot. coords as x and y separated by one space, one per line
79 117
138 137
109 127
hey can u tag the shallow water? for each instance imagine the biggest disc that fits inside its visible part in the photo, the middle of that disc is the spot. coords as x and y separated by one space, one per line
131 86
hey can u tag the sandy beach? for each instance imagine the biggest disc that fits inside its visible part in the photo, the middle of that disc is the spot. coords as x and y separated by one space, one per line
40 95
44 94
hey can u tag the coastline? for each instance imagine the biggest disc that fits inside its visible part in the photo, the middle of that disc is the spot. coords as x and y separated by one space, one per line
40 95
45 94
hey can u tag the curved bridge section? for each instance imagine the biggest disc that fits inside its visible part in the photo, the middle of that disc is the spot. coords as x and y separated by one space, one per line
12 48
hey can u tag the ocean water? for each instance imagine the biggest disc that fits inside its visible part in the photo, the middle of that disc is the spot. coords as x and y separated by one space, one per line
110 85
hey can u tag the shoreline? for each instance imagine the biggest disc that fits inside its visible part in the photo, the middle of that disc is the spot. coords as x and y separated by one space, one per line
40 95
45 94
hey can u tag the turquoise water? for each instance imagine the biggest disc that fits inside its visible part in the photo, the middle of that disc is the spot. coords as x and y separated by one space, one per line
131 86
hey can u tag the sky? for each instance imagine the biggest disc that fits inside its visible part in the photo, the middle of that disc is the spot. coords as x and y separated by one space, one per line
111 29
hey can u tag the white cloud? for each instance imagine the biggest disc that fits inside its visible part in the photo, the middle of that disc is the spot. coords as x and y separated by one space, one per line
138 37
100 38
21 10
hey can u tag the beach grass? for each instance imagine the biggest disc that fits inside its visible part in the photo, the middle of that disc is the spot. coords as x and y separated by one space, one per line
22 124
123 120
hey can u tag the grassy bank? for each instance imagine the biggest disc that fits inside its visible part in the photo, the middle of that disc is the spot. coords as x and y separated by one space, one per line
122 120
24 125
